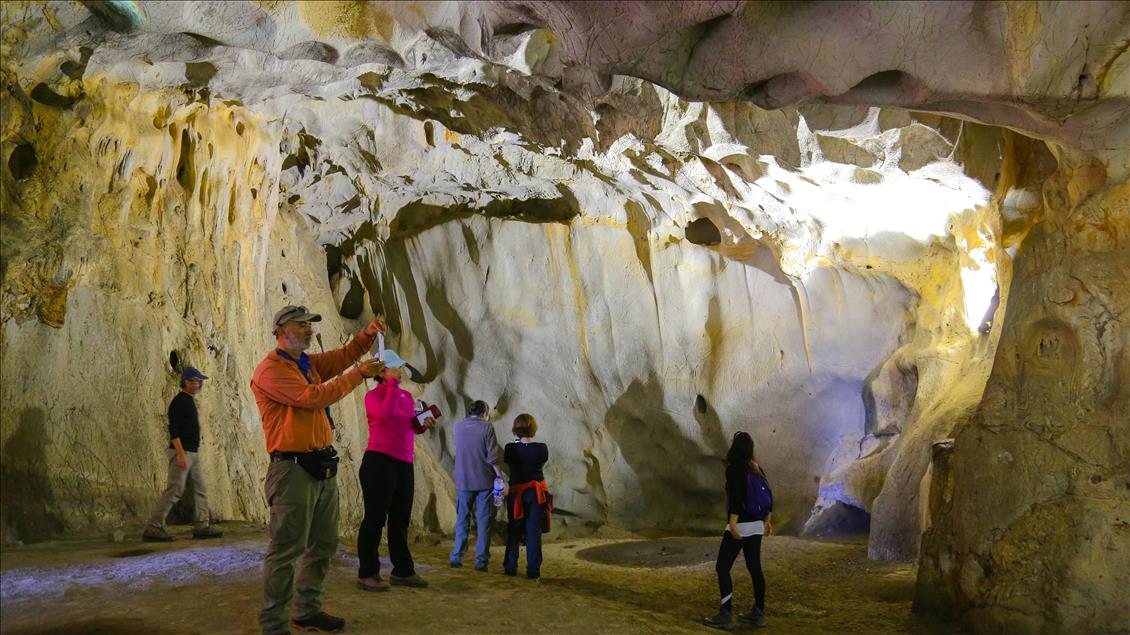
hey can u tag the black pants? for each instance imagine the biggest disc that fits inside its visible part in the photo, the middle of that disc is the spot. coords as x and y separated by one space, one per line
727 553
386 485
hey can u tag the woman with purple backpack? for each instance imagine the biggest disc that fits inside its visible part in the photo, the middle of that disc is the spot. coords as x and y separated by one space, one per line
749 505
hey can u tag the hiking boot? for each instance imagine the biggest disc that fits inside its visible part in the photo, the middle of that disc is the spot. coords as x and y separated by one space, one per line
722 620
754 616
481 568
372 584
207 532
413 580
456 564
157 535
321 623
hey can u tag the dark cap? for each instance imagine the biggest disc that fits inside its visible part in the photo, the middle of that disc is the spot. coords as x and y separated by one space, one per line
293 313
191 373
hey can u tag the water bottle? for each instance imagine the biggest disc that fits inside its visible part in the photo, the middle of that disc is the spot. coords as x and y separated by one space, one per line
498 491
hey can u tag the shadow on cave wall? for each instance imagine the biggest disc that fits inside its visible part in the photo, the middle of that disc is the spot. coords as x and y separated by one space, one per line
391 270
28 506
668 464
394 264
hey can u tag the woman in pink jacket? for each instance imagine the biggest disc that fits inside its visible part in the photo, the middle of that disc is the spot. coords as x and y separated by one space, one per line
387 479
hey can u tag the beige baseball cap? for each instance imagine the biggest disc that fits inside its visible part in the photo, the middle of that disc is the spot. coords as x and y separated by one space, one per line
292 313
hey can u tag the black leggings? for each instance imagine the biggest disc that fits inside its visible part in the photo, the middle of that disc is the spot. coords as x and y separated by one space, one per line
387 486
727 553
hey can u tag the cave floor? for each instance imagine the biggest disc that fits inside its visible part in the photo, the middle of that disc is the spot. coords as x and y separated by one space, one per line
655 586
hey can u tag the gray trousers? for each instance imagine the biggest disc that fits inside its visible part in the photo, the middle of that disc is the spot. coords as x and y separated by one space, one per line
304 514
175 489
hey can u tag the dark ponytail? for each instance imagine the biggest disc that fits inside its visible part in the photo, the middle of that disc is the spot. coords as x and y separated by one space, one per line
740 456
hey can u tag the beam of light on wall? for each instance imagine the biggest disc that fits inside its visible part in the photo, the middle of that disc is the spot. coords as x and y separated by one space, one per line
893 215
979 286
915 207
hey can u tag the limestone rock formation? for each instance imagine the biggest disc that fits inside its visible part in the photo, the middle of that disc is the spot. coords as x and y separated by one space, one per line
537 200
1065 61
1032 516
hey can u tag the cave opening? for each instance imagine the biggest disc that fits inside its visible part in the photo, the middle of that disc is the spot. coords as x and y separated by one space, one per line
839 520
703 231
22 162
185 173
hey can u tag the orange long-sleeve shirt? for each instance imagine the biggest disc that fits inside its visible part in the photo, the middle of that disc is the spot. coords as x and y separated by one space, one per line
294 411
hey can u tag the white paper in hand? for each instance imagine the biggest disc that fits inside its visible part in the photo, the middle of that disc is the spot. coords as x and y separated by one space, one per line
429 412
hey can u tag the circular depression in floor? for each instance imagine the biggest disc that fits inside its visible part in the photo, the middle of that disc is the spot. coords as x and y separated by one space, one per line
665 552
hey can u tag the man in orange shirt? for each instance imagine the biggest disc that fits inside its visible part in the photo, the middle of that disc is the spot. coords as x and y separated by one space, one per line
301 482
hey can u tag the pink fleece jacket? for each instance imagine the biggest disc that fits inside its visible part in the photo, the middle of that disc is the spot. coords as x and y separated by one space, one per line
391 411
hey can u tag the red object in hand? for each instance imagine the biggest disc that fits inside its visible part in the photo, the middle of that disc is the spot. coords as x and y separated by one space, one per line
422 416
431 411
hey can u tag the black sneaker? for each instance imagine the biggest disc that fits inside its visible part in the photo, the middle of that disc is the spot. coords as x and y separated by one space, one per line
754 616
321 623
481 568
456 564
722 620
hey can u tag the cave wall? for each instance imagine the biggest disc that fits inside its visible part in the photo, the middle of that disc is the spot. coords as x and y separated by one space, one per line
177 196
640 370
1031 510
192 251
645 273
150 228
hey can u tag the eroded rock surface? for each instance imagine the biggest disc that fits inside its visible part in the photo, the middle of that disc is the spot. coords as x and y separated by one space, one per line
644 273
1032 524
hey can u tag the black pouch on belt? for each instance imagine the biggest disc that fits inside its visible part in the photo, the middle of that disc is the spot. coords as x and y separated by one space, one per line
321 464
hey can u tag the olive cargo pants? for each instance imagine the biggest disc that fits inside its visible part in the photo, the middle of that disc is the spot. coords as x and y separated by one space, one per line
304 515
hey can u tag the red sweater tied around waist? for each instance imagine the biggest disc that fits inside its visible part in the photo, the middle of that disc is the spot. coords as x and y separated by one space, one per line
544 498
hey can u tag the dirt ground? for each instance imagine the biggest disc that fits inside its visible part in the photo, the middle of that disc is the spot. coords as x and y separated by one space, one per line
588 585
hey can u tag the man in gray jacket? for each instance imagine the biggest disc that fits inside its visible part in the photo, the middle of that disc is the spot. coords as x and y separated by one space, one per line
476 468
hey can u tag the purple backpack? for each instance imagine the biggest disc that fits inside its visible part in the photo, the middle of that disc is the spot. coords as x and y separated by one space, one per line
758 496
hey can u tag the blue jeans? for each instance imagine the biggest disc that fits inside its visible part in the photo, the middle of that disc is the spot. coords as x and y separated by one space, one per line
478 501
528 528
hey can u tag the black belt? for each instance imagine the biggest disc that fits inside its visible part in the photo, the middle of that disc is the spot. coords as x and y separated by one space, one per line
279 455
321 464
